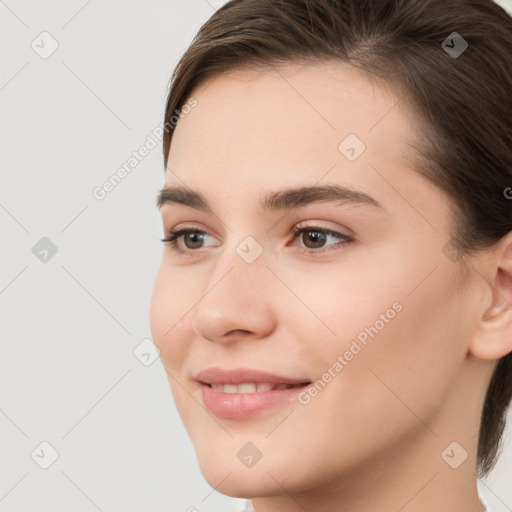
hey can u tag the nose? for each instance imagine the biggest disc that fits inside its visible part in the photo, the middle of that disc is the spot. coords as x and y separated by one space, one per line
237 303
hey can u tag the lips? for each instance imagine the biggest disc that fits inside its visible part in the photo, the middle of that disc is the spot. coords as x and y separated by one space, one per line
239 393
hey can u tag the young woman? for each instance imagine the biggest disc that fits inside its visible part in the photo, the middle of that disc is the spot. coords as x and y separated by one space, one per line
334 303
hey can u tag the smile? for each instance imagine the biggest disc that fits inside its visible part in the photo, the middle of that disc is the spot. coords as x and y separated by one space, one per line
241 393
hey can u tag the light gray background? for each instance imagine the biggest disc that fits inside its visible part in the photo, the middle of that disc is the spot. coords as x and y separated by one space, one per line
70 325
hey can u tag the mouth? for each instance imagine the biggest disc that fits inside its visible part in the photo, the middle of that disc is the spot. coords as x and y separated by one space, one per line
241 393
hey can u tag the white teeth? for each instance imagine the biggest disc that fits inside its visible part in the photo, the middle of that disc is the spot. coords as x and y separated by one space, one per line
230 388
247 388
261 387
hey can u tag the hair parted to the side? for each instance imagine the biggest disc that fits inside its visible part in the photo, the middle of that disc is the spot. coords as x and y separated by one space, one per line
464 103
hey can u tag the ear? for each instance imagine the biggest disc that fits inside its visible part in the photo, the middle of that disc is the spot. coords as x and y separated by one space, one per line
493 337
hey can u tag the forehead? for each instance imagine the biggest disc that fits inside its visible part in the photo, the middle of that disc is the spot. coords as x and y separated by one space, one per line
287 124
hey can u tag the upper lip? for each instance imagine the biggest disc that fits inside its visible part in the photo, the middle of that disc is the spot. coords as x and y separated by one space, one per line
217 375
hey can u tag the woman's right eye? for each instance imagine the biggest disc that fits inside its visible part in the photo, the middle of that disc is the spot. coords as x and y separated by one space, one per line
191 238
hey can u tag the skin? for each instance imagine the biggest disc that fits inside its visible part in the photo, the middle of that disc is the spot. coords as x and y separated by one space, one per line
372 439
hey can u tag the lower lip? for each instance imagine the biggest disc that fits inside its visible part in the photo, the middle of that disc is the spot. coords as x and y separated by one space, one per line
242 405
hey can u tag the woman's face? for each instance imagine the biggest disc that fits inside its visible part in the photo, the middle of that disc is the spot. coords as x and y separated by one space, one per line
369 313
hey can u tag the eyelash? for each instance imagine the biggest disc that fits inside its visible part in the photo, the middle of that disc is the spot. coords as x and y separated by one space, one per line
171 239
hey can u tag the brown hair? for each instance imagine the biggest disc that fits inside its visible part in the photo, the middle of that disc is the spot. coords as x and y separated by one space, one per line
464 101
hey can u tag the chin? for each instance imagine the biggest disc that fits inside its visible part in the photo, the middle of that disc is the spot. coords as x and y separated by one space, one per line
224 471
241 482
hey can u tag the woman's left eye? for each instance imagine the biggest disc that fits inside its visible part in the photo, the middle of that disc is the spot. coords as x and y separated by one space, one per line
315 239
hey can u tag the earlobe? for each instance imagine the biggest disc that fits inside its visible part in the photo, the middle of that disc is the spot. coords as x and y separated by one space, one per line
493 338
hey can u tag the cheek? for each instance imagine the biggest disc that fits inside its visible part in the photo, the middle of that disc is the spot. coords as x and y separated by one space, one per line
411 359
171 301
333 305
398 321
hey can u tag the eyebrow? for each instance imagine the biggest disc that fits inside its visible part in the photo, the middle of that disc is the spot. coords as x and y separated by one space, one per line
280 200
